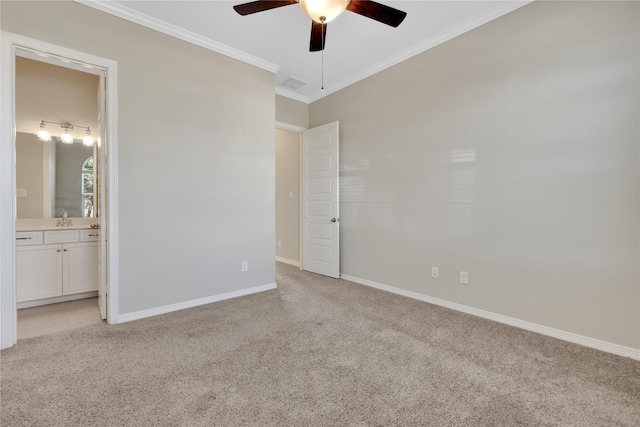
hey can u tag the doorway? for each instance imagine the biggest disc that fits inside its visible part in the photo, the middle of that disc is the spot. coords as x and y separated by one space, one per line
288 227
57 176
307 199
12 47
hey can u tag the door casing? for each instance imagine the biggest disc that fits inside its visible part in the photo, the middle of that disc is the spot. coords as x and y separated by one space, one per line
9 43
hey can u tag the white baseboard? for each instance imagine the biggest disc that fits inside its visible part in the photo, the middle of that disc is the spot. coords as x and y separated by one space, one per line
608 347
136 315
288 261
55 300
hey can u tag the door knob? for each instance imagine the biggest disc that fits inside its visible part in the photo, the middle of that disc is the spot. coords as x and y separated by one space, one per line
334 219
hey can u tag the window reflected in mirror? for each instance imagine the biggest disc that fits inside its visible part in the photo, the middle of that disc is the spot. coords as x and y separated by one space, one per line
53 178
87 188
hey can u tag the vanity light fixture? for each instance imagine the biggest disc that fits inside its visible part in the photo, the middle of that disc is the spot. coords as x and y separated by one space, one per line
66 136
88 139
43 135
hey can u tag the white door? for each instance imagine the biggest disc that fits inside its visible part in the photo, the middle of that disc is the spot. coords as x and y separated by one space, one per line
102 201
320 220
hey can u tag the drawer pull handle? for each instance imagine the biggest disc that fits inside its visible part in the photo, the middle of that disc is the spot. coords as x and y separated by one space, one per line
24 238
94 235
58 250
65 250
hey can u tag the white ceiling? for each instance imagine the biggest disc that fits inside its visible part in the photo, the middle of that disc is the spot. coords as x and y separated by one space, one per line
278 39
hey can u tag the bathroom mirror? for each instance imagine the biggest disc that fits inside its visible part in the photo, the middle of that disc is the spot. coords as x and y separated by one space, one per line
53 178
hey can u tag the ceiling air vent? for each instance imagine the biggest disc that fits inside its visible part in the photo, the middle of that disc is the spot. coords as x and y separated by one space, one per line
292 83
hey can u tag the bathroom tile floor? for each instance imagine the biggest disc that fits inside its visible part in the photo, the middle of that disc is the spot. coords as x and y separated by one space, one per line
46 319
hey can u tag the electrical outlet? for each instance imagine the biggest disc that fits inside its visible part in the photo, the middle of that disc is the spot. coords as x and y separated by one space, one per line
245 265
464 277
435 272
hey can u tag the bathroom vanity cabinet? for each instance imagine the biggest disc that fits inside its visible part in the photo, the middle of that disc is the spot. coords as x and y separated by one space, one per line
56 264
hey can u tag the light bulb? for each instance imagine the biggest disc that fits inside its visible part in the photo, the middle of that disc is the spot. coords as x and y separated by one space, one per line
323 11
43 135
66 135
88 139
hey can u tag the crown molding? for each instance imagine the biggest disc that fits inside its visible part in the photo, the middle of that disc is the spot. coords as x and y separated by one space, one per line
177 32
124 12
468 25
291 94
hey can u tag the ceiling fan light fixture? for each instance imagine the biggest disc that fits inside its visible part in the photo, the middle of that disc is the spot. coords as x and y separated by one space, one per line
323 11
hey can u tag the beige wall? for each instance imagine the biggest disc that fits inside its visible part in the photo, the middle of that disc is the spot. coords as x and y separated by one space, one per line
288 195
510 152
29 161
196 156
292 112
56 94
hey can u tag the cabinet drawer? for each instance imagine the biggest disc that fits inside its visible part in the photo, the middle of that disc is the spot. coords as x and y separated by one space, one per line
66 236
89 235
24 238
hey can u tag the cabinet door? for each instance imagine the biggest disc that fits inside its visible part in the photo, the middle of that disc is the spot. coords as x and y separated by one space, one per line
38 272
80 267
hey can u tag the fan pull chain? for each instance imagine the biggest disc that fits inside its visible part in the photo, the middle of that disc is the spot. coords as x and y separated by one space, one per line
322 86
322 54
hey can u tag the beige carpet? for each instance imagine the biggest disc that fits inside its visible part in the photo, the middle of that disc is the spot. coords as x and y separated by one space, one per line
314 352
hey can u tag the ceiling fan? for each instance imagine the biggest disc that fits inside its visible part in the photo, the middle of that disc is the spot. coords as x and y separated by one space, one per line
323 11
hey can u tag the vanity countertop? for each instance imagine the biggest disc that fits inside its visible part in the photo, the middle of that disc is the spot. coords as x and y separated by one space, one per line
52 227
51 224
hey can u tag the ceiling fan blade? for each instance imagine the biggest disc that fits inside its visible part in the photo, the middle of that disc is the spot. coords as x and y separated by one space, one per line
318 36
379 12
260 6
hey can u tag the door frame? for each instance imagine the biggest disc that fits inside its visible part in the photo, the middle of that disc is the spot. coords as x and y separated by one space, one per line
9 42
297 129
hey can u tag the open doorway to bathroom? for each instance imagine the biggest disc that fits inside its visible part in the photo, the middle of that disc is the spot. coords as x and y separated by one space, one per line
58 169
74 239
